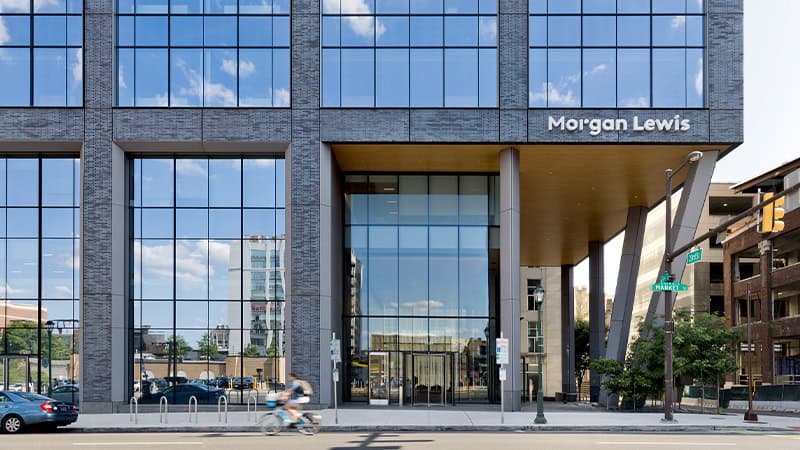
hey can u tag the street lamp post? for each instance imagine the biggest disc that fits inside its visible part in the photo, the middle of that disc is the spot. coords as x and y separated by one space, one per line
750 415
49 325
538 297
669 326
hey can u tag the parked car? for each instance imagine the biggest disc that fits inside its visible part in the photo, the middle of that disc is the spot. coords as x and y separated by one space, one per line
68 393
176 380
19 410
242 382
222 382
181 393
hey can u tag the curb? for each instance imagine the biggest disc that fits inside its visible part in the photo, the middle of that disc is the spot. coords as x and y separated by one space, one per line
621 429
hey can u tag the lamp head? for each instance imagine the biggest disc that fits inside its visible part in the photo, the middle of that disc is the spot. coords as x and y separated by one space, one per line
538 296
694 157
49 325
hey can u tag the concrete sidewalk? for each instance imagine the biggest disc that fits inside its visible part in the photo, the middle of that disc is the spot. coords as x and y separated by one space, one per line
449 419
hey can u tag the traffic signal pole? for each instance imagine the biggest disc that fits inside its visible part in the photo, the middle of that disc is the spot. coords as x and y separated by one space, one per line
723 226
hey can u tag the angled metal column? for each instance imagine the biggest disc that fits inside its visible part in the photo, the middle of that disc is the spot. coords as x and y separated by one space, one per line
625 294
567 330
684 228
509 273
597 314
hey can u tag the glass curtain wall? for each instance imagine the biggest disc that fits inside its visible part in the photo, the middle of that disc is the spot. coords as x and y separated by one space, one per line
417 53
42 56
195 53
207 256
422 253
39 272
617 54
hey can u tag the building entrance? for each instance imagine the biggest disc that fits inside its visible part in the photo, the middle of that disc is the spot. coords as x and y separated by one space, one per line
430 378
15 373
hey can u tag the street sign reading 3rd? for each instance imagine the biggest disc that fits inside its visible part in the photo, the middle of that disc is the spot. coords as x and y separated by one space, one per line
694 256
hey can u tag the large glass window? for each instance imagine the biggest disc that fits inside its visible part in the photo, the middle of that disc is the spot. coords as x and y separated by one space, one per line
42 56
207 273
617 54
423 265
189 53
422 53
39 272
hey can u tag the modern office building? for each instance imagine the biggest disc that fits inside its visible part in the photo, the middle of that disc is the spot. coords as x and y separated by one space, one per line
409 157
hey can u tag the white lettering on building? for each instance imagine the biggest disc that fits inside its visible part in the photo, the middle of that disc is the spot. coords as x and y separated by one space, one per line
598 126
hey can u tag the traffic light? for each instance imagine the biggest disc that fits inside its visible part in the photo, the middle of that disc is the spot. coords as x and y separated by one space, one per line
772 214
778 212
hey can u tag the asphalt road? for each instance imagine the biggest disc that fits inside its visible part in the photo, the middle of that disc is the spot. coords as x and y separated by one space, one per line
399 441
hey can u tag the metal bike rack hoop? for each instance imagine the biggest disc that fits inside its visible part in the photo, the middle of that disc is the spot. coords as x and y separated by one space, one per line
133 410
255 408
193 399
219 409
163 413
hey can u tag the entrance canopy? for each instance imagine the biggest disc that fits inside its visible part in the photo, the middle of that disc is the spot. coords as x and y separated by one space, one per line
569 194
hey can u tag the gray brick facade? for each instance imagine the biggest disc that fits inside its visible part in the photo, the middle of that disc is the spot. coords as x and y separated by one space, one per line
299 131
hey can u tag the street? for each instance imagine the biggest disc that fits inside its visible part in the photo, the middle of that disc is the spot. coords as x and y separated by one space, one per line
399 441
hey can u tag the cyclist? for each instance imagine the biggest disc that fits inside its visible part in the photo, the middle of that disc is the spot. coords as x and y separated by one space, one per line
294 396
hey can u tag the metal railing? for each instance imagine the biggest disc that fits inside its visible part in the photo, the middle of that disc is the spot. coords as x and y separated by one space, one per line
255 407
219 409
133 410
163 413
193 399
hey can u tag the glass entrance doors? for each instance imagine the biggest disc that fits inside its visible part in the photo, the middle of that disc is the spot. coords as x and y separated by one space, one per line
15 373
431 379
379 378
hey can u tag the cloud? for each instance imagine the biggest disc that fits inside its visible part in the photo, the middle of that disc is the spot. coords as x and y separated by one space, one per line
487 29
198 87
423 304
558 95
4 36
698 78
229 66
281 97
13 292
7 6
77 67
246 68
678 21
66 290
598 69
635 102
121 77
190 167
161 99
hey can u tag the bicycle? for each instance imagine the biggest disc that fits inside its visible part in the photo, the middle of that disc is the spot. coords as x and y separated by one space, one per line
273 421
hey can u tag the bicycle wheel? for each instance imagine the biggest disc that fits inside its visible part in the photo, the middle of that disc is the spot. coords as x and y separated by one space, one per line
310 425
269 424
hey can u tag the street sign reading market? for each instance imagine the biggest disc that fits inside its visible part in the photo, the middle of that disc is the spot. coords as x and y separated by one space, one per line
665 285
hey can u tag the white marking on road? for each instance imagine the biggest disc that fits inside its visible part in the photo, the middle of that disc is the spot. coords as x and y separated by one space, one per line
130 444
646 443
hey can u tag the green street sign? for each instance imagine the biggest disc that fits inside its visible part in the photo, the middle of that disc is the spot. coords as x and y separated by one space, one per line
694 256
670 286
664 284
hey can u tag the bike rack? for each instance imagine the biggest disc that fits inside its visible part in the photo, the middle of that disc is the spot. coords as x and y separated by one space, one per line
163 414
133 410
255 408
219 409
193 399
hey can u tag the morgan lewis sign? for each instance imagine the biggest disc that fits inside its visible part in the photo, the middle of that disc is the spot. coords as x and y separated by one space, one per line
597 126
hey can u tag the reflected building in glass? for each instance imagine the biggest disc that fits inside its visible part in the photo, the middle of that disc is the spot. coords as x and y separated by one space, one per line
208 190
